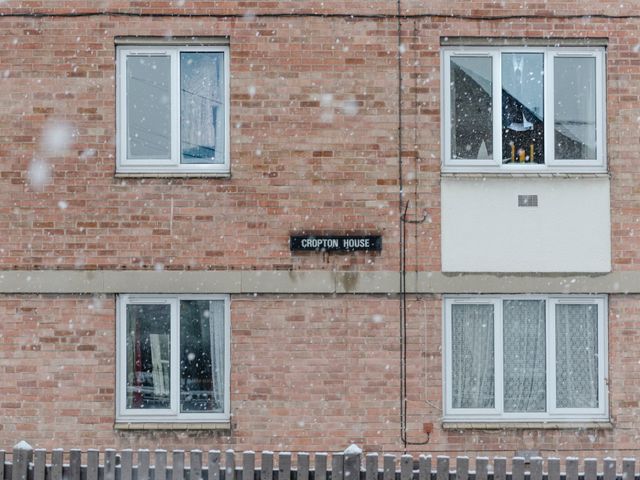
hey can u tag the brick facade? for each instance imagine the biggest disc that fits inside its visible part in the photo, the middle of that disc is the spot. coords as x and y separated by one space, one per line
314 148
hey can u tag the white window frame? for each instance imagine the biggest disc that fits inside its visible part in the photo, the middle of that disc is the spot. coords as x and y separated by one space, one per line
171 165
450 164
552 413
173 414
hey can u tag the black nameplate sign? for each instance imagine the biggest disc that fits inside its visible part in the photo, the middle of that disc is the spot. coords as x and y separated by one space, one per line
335 243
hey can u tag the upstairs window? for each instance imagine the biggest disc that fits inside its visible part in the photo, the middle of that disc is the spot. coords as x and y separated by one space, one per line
525 358
523 109
173 109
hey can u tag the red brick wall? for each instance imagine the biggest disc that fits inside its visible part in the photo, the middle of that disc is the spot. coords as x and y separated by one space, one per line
309 373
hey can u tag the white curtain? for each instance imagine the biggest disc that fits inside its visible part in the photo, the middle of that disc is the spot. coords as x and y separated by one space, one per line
472 347
524 353
217 343
576 356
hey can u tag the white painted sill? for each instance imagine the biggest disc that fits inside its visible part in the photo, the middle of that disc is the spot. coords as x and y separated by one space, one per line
173 175
539 174
172 426
550 425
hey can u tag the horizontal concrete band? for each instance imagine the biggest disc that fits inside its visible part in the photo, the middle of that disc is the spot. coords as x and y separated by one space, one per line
311 282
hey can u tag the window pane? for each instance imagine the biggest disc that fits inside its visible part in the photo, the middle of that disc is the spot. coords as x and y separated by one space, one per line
471 108
202 356
576 356
472 354
148 356
148 107
202 107
525 378
574 88
523 107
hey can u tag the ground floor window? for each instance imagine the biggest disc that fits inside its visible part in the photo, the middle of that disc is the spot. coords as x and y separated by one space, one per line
173 357
525 358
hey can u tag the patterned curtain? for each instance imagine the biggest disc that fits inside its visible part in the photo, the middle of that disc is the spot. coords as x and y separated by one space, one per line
576 356
525 380
472 356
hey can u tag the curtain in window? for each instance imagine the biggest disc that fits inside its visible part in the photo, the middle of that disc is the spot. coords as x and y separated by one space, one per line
217 352
524 349
472 347
576 356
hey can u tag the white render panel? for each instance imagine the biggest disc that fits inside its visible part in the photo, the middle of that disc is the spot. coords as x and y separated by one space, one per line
484 229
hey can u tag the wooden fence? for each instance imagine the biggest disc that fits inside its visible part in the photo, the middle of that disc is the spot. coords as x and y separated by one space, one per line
38 464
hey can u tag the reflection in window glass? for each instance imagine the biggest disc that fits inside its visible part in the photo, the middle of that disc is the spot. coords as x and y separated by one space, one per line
201 107
472 356
148 356
471 108
202 356
574 86
148 98
522 108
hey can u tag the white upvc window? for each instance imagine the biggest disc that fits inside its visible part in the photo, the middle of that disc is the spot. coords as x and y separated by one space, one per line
173 109
523 109
523 358
173 358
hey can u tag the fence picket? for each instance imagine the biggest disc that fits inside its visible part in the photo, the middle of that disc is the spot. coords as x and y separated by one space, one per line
337 467
351 466
590 469
229 465
195 465
389 467
571 466
93 459
442 468
303 466
248 465
143 465
425 467
266 468
609 469
126 465
56 464
22 454
536 468
320 464
517 468
500 468
213 467
284 466
2 461
177 472
628 468
553 469
371 466
482 468
406 467
462 468
39 464
159 465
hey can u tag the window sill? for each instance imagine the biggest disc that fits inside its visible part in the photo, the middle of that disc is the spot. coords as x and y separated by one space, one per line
172 426
173 175
544 425
505 174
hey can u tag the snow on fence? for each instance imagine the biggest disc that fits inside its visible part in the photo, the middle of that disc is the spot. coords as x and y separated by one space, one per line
38 464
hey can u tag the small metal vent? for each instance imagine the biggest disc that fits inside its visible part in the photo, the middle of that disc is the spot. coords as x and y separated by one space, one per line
527 200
